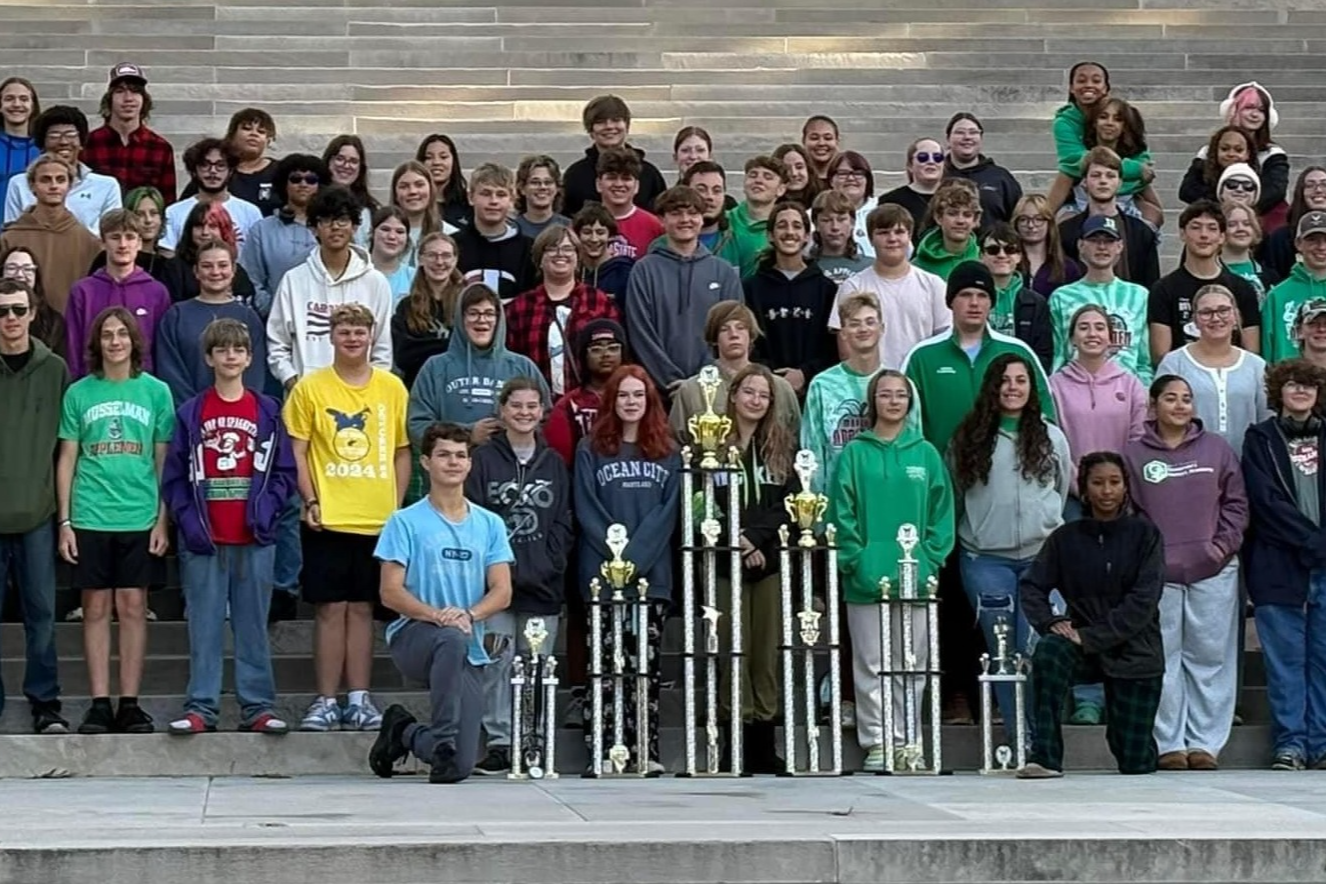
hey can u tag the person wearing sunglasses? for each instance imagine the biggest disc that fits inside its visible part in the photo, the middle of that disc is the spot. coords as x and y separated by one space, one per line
925 169
32 382
211 165
281 242
1018 310
1239 184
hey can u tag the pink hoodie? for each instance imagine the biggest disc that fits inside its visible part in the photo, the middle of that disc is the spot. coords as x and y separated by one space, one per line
1100 412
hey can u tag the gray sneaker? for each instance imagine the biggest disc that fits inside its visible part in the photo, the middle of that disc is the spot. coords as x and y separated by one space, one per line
324 714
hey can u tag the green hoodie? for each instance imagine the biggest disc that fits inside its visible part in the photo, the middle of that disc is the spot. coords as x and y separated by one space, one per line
1070 127
1281 309
751 238
30 402
878 487
1001 314
931 254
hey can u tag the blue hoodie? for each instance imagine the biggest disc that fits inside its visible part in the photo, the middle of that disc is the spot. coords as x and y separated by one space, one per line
16 152
273 477
461 385
180 359
272 248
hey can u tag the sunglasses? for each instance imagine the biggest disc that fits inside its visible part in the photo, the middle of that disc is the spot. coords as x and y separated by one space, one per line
936 157
309 178
1240 185
994 250
17 310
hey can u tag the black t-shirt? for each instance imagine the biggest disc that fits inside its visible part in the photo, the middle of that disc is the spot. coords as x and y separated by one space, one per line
1171 303
915 203
16 362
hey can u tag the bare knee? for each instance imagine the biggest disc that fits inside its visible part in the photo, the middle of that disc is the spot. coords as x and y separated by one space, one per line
131 604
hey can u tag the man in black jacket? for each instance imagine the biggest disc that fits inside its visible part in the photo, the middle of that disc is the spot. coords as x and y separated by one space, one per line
607 119
1102 173
999 190
1018 310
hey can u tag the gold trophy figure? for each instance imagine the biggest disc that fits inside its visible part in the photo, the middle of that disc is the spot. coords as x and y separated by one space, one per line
806 508
708 429
534 695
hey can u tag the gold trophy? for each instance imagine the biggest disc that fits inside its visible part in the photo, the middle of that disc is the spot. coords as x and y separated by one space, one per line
616 570
709 429
806 508
618 574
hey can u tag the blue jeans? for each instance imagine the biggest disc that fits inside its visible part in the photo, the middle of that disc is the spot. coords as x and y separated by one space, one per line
991 585
31 556
289 554
240 576
1293 639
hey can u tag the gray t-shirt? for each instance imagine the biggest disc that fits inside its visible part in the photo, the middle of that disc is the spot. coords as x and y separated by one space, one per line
1305 459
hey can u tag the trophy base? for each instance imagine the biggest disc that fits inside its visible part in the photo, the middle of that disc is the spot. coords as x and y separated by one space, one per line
810 774
924 772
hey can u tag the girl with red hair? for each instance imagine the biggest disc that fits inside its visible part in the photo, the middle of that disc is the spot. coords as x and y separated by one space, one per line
627 472
205 222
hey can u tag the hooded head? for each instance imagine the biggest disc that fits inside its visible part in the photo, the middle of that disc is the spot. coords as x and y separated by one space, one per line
478 312
1240 170
1251 95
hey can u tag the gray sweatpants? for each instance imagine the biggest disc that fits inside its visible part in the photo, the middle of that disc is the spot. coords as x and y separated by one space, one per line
1199 626
868 660
436 656
506 637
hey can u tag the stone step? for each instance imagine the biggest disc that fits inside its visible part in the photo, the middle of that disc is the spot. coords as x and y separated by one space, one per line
297 754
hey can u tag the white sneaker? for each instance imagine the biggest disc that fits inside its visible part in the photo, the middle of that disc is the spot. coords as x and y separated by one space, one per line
74 616
362 717
874 762
324 714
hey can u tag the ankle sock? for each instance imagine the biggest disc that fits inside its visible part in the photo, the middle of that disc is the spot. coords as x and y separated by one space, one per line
128 701
356 698
101 701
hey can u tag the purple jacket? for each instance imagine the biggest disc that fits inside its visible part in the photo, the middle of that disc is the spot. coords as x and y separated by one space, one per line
1194 494
140 294
273 476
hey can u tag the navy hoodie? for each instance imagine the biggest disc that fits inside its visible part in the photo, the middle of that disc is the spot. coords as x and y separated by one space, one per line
1284 546
534 500
504 263
794 319
628 489
610 277
16 152
179 348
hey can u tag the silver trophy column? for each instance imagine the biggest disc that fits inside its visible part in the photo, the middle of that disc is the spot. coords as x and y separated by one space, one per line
534 695
1003 668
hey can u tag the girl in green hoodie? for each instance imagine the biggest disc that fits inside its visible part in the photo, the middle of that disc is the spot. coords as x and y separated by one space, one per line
887 477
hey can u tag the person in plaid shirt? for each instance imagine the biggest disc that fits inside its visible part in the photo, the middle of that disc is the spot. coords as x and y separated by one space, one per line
545 322
124 148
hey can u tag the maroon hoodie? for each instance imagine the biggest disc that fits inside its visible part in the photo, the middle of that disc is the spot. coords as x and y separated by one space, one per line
1194 494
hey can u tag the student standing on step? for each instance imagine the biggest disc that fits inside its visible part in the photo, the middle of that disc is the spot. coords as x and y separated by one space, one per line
62 132
1188 483
999 190
446 570
1018 311
607 119
854 179
1285 559
32 382
802 185
601 349
1277 251
250 133
618 182
1044 267
421 325
954 218
348 426
1138 262
1310 331
123 147
516 475
227 478
1305 282
764 184
600 268
115 427
925 170
493 251
211 166
19 106
709 180
179 272
820 137
1109 568
282 241
1243 239
440 157
538 195
835 249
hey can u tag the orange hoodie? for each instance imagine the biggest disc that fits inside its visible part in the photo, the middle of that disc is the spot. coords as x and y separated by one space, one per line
62 248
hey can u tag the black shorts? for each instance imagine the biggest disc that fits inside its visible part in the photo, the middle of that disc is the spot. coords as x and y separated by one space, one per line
114 560
339 567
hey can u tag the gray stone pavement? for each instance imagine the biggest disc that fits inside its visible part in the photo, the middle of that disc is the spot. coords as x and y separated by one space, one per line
1218 827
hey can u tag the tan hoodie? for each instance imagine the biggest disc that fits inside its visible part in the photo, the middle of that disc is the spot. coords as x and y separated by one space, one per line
63 250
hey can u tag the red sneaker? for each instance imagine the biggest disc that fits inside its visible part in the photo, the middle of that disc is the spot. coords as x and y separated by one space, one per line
191 723
266 723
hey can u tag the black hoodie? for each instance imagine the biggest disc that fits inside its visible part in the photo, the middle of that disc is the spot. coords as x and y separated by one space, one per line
762 513
999 190
504 263
579 183
534 500
794 319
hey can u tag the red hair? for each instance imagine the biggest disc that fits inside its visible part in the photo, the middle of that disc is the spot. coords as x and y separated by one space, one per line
217 214
653 437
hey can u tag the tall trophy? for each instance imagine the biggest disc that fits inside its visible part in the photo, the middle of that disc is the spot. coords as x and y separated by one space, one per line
802 630
916 608
533 707
716 471
620 577
1003 668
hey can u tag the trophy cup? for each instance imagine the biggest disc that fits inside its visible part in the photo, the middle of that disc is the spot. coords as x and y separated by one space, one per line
1003 668
708 429
533 701
796 565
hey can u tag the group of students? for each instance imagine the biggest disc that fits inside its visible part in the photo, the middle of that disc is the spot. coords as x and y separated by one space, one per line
969 348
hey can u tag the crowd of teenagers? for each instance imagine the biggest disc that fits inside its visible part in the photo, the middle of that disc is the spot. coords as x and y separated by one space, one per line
429 410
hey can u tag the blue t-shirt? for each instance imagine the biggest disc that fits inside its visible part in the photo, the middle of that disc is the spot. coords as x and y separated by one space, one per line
446 563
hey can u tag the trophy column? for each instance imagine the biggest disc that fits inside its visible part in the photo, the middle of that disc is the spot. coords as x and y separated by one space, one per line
1003 668
533 708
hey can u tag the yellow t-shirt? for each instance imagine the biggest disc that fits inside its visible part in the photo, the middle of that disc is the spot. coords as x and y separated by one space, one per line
353 434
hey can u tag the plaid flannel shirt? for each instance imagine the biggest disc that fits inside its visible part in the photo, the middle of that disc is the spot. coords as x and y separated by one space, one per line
147 160
530 315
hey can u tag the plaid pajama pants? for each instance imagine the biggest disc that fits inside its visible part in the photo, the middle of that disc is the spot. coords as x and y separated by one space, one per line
1130 706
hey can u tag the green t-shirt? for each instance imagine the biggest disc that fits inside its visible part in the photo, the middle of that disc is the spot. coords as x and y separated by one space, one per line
117 425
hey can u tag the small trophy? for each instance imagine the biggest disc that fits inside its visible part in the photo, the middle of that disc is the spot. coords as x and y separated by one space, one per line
619 574
708 428
616 570
1005 667
806 508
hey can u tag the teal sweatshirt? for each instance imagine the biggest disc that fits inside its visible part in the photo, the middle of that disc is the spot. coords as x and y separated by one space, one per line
1281 309
878 487
751 238
835 412
1130 336
1070 128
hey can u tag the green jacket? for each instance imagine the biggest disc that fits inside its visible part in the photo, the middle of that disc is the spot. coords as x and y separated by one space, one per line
947 381
1280 309
931 254
878 487
751 238
1070 127
30 413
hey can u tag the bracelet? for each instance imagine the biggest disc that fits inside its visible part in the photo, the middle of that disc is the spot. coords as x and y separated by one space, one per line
66 523
313 501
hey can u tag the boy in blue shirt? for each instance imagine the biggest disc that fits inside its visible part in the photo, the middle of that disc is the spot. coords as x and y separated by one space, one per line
446 568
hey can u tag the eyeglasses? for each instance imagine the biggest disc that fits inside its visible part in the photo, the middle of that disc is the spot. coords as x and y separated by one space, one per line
1315 185
926 157
309 178
757 395
19 310
1215 312
341 223
850 175
63 137
218 165
604 349
11 270
435 256
1296 387
994 250
1032 221
339 160
1240 185
479 315
569 251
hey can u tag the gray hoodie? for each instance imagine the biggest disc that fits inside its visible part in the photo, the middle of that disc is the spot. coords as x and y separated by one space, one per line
667 301
461 385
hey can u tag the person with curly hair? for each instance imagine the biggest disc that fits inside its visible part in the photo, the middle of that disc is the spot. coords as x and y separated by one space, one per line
1011 470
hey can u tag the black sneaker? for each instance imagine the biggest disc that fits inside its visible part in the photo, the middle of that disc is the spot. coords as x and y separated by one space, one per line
1287 761
445 769
99 719
497 761
389 746
284 606
46 720
133 719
